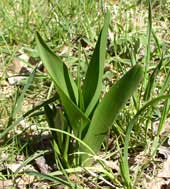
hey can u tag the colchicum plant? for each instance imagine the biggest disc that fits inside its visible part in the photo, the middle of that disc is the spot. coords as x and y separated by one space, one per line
84 115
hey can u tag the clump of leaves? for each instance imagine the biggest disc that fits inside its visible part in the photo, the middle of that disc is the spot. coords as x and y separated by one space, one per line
84 115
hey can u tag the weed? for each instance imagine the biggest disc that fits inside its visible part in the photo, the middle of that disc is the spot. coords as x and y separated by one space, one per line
82 109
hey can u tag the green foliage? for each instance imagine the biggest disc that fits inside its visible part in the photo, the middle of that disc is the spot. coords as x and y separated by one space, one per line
110 106
91 90
84 114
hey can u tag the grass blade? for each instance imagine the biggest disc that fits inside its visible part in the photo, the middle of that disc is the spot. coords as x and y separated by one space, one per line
149 32
165 83
124 160
55 179
151 80
18 104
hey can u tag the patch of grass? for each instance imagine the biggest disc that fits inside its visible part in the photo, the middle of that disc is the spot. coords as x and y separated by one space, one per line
137 34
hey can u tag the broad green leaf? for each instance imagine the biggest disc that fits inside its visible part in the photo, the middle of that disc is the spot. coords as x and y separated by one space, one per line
64 84
55 119
93 80
57 70
110 106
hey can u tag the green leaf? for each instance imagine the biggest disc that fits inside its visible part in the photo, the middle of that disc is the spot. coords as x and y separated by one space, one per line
151 80
124 170
130 126
55 119
93 80
110 106
54 179
65 85
57 70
